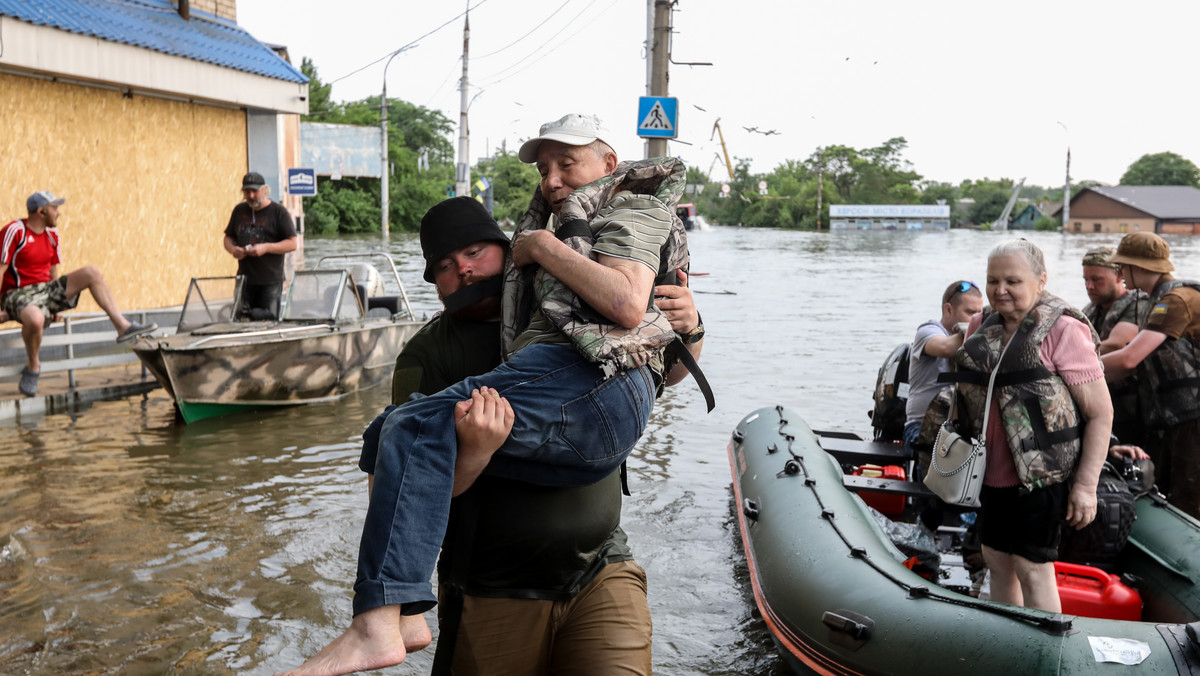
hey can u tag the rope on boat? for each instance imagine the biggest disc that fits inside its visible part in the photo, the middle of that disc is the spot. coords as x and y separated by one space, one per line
1056 625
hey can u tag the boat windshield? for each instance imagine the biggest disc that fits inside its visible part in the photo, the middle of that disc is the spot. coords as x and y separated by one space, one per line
325 295
209 300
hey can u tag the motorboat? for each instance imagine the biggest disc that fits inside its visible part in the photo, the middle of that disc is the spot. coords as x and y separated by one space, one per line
840 596
339 330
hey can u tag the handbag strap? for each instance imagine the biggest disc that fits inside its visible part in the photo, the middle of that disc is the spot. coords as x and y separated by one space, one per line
987 403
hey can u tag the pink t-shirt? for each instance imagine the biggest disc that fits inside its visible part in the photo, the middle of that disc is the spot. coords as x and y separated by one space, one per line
1067 352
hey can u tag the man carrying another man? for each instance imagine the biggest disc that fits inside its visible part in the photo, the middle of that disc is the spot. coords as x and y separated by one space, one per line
260 232
630 233
33 294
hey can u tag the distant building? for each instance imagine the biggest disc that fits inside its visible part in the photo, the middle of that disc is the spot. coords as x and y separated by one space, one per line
1025 218
1162 209
889 217
144 115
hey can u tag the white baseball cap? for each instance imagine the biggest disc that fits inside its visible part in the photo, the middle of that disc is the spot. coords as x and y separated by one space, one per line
573 129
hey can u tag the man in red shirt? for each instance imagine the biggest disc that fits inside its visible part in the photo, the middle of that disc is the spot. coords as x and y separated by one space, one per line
31 291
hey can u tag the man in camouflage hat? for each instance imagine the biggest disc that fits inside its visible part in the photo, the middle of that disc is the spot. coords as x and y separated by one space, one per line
574 420
1165 358
1116 312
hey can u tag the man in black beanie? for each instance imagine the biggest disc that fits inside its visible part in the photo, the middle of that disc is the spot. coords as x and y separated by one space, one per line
514 550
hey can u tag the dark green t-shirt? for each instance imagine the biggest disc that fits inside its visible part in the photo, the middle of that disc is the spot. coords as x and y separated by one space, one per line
528 541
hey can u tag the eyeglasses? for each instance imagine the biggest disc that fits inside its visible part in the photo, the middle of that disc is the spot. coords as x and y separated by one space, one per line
962 287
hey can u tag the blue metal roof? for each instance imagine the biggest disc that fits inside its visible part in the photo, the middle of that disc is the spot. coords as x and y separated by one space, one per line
156 25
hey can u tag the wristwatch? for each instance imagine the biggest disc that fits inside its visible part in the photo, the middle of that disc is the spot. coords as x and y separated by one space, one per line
694 335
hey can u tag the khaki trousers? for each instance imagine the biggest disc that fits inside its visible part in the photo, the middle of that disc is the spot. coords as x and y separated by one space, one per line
604 630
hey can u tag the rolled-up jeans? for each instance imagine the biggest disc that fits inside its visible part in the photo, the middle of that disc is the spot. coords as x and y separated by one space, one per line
573 427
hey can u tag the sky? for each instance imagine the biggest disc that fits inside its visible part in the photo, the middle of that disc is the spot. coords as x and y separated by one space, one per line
978 90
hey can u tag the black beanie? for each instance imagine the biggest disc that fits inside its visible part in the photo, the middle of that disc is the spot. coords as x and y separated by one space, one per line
452 224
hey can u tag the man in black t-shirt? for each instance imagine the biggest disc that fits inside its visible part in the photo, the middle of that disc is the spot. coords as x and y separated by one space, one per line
259 234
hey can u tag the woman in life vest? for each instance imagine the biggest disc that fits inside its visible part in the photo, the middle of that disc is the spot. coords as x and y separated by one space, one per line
1047 432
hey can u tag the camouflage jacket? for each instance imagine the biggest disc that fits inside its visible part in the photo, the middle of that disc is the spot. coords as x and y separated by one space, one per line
530 288
1041 422
1168 380
1124 308
1127 308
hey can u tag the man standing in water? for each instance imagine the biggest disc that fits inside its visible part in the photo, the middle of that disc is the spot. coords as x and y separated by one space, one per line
570 153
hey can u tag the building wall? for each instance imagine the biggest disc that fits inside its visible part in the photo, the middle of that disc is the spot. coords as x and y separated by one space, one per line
1091 224
149 182
222 8
1088 205
1180 228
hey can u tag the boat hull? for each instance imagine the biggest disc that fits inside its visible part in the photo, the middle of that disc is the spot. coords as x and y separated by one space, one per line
838 600
215 375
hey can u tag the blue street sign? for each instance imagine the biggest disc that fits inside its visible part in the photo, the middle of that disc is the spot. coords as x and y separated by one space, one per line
658 116
302 182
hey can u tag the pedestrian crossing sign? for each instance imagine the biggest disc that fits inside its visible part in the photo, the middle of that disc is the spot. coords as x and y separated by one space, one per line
658 117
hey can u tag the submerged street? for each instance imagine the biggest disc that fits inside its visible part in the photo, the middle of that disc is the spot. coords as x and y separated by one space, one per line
131 543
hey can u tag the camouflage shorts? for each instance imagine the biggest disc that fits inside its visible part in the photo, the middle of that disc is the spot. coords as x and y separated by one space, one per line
50 296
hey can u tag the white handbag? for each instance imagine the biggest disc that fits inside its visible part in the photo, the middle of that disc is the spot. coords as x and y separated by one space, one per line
957 464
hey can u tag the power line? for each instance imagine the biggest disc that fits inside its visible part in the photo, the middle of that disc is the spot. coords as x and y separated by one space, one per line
409 45
501 75
531 31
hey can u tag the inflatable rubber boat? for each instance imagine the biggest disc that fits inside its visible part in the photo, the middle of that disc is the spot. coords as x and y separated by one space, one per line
838 598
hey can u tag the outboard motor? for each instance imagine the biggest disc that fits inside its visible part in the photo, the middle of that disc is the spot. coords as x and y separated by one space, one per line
891 396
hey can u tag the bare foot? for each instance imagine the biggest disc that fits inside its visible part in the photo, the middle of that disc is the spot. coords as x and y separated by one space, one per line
415 631
376 638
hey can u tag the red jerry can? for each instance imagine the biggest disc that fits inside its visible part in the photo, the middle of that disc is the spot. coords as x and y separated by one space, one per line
887 503
1090 592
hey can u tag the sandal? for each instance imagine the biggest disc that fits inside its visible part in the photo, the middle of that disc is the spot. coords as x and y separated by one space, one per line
29 382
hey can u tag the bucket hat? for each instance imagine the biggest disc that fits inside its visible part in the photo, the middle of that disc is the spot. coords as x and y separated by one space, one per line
1145 250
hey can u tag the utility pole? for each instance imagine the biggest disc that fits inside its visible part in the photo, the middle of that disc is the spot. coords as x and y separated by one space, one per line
463 185
1067 194
660 57
820 176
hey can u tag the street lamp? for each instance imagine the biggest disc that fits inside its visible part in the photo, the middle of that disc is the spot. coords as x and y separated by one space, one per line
383 153
1066 223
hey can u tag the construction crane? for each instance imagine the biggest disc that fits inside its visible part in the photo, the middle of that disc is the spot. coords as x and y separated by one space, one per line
1002 222
717 130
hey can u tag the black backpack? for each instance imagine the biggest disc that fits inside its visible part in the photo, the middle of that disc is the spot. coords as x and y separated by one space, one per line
1102 540
891 395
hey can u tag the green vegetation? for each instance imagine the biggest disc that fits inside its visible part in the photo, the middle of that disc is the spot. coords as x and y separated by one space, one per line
830 175
352 204
1162 169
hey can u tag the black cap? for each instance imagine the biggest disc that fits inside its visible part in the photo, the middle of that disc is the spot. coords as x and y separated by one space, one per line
453 224
253 181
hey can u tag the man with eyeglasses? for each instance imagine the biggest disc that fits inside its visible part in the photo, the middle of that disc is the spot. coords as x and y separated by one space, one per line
934 345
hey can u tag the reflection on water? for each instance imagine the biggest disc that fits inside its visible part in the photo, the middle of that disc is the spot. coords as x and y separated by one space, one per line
132 544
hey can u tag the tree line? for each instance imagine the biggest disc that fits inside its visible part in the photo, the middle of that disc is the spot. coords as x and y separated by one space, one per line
421 162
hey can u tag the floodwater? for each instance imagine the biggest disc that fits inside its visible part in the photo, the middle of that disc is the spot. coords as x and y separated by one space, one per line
132 544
